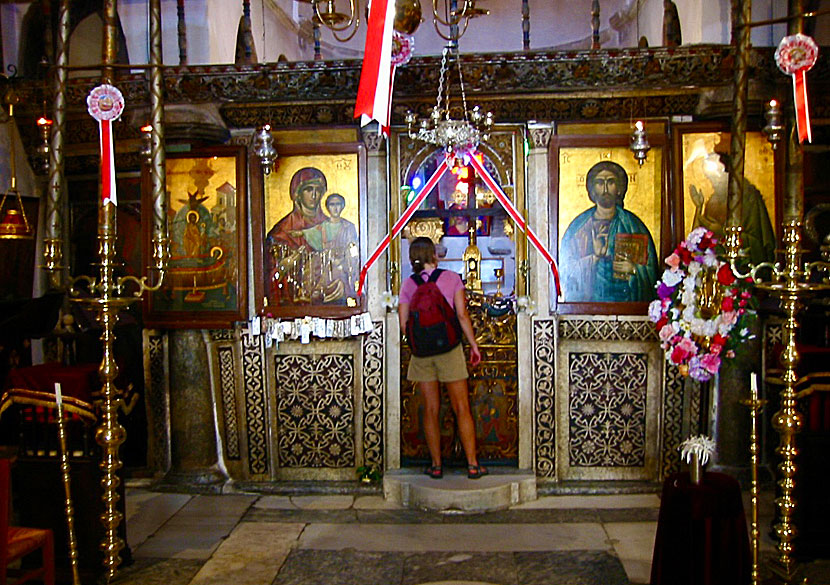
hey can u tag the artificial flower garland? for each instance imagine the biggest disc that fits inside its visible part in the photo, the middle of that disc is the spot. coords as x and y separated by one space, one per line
694 342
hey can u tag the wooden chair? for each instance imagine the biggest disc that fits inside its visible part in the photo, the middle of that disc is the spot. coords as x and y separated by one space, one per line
17 542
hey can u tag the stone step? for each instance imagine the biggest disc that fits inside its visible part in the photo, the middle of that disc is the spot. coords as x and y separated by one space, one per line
501 489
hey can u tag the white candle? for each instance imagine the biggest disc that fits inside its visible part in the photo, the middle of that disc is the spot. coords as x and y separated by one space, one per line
58 397
753 383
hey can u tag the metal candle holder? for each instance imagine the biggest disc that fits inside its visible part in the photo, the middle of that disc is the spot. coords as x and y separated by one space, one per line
104 293
756 405
792 282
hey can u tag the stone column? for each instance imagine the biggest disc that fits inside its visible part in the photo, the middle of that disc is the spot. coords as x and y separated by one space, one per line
376 225
193 454
538 278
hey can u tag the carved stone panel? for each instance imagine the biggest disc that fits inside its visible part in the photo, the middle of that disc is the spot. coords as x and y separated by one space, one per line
315 410
608 410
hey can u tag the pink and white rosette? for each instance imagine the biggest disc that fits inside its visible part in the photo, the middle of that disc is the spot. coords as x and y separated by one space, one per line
795 56
403 45
105 103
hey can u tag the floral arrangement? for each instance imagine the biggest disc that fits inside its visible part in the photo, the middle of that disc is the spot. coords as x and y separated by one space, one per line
702 446
703 311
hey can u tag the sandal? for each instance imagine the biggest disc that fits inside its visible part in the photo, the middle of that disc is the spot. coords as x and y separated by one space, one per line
434 471
476 471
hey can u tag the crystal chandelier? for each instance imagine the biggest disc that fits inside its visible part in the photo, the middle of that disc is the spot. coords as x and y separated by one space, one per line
456 137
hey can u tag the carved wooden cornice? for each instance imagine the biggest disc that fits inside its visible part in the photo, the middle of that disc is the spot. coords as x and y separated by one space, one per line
606 84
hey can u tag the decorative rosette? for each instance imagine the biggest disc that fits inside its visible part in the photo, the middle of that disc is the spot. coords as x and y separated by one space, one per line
105 103
403 45
703 311
795 56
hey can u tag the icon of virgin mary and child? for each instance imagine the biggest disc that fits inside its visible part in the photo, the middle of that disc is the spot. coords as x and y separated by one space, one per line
315 255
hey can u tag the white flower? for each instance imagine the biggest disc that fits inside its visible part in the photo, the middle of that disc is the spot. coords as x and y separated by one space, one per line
526 304
388 300
702 446
694 237
655 310
671 278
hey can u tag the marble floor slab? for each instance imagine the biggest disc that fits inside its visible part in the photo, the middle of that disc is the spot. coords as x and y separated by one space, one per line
350 567
460 537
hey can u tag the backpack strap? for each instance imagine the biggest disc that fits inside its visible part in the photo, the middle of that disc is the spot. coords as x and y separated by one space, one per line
432 277
435 274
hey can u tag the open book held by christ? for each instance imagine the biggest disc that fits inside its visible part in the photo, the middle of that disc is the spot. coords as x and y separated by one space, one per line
632 247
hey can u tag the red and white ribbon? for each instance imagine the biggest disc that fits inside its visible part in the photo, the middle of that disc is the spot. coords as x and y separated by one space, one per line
402 221
795 56
508 205
374 94
502 198
105 103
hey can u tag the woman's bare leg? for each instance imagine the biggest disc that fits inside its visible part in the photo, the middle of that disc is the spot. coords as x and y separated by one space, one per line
460 401
432 432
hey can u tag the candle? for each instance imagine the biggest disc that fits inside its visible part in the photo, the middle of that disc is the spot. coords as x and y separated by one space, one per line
58 397
753 383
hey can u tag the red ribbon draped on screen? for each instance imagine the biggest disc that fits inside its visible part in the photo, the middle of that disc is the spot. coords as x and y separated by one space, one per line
501 196
508 205
374 94
402 221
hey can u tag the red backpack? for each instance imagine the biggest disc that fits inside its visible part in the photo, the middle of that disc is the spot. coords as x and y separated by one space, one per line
432 327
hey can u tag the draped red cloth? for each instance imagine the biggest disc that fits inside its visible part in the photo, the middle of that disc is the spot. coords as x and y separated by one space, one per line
702 536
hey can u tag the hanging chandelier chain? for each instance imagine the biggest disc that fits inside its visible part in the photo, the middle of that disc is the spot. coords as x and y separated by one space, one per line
441 78
461 83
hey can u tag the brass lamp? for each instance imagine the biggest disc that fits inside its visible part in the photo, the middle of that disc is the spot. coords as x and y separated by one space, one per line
14 224
639 142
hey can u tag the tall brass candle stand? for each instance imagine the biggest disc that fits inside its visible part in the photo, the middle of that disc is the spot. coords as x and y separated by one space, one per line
792 282
755 405
105 293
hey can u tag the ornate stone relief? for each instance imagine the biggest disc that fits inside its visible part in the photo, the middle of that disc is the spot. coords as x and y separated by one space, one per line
373 381
544 370
315 410
227 390
157 398
256 412
607 329
672 419
607 409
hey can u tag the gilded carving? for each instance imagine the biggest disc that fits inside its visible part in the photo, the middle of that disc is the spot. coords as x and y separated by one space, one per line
428 227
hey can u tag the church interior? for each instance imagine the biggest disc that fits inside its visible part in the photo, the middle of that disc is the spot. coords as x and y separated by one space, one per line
206 223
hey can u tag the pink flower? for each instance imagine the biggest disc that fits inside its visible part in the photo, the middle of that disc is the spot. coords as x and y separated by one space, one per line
730 354
685 349
673 261
666 332
729 317
711 363
715 349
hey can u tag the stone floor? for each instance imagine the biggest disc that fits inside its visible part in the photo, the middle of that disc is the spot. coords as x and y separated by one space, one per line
179 539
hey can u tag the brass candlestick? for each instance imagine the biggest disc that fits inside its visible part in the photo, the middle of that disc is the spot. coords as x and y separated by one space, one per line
499 274
792 282
755 405
106 294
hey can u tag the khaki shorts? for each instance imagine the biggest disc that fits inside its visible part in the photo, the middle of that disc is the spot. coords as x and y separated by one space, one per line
444 367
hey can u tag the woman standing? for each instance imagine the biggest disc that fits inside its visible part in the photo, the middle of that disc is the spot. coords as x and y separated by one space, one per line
449 367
